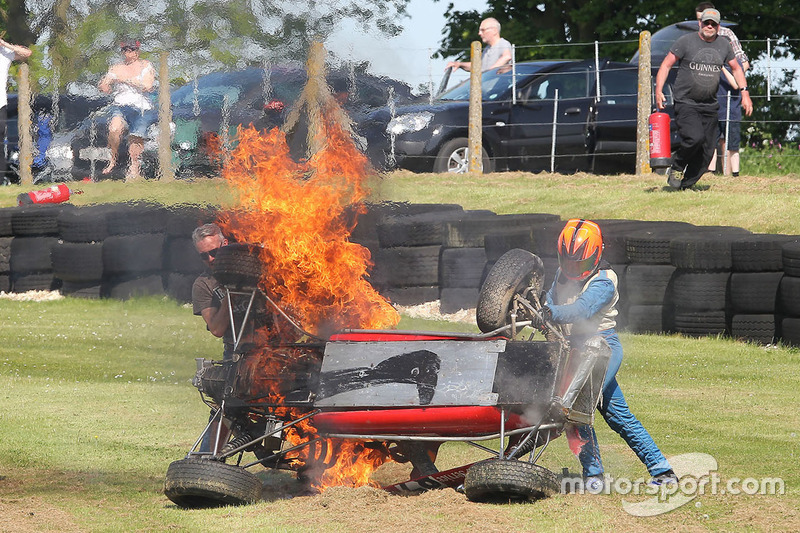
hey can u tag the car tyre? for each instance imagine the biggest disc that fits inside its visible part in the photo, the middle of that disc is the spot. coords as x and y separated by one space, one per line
516 270
497 481
199 483
453 158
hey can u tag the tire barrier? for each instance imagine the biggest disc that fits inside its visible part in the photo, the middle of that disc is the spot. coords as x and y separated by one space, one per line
674 276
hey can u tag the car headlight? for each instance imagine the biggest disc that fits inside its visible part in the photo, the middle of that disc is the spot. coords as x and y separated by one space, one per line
409 123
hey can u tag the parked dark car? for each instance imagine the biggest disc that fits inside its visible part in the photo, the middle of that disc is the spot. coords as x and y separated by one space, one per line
48 122
253 96
592 134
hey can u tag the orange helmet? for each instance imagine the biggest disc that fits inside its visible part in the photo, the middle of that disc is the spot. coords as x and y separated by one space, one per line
580 246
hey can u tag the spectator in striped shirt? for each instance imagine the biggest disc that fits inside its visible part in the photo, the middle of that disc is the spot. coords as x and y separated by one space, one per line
728 33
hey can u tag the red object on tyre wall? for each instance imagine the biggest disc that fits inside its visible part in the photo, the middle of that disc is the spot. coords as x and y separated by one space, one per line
660 144
466 421
51 195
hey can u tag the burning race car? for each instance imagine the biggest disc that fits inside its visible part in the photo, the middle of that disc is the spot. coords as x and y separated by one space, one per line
319 404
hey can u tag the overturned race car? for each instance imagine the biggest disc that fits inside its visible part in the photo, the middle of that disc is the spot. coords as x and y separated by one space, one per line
398 395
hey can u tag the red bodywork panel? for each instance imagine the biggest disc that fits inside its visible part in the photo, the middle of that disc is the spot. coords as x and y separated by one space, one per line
388 336
466 421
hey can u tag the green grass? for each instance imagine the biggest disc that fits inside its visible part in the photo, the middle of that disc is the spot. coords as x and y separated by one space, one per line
97 402
97 399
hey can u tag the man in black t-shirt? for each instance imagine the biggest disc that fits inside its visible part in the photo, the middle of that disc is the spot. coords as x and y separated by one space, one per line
700 57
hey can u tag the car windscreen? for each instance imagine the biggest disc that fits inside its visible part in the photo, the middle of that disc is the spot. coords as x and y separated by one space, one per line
497 82
209 92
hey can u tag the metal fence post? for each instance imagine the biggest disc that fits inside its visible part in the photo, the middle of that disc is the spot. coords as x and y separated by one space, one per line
475 111
25 126
165 170
644 106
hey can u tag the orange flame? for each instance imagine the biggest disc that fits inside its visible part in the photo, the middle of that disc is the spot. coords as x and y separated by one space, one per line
302 213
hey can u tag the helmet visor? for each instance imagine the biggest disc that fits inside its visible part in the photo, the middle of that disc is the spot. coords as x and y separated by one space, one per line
577 269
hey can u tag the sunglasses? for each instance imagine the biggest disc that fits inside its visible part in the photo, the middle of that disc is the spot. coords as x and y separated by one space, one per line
710 23
205 256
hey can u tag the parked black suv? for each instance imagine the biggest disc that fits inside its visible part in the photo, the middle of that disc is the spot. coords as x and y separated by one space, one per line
595 133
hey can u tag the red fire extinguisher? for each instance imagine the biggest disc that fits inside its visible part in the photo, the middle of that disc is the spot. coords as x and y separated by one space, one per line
51 195
660 145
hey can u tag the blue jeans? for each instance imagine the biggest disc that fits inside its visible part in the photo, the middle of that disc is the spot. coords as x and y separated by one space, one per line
618 416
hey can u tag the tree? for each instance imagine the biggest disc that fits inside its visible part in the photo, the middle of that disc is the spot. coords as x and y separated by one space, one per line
565 22
202 35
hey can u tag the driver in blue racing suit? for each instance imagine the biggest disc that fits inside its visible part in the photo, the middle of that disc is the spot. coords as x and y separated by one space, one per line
583 298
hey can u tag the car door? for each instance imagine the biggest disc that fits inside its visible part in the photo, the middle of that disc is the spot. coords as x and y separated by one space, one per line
565 92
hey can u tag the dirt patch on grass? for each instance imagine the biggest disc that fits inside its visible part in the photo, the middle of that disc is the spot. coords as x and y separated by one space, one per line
23 515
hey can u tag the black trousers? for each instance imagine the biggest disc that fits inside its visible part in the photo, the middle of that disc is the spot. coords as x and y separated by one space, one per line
697 126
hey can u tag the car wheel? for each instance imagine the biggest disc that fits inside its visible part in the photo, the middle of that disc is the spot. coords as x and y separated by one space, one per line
198 483
515 271
502 481
454 157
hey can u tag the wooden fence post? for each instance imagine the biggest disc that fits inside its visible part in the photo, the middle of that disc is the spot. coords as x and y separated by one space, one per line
475 111
165 170
25 125
644 106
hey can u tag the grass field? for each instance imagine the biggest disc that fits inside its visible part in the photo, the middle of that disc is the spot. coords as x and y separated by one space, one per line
98 401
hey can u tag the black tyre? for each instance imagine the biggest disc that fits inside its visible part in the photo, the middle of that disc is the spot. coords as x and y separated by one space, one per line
37 220
707 248
700 291
461 268
42 281
648 319
125 288
471 232
6 213
790 331
789 292
453 157
498 481
238 266
759 253
424 229
790 255
179 286
545 237
199 483
32 254
701 323
133 254
647 284
180 255
497 245
755 292
406 266
88 290
5 253
78 261
84 224
130 219
756 328
512 273
651 246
